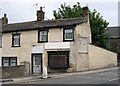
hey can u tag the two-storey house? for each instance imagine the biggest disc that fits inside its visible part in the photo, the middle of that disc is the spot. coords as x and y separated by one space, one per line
59 45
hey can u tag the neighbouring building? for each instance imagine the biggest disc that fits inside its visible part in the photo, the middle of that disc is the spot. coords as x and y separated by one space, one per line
62 45
114 39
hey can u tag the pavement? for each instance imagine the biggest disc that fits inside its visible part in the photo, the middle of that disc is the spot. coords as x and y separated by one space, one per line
52 75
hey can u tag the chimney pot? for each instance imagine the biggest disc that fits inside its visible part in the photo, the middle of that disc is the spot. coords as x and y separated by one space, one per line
40 8
5 15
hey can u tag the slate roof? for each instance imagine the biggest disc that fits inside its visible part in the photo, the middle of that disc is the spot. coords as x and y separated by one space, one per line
114 31
42 24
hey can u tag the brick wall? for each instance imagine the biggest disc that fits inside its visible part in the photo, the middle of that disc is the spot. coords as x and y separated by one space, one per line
13 71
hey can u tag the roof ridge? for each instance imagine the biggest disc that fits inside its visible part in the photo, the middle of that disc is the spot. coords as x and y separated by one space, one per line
43 24
48 20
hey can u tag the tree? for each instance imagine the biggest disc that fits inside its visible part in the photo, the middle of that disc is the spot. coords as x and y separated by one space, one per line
98 28
97 24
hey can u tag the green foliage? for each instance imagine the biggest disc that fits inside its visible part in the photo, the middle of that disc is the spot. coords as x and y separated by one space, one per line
68 12
98 28
97 23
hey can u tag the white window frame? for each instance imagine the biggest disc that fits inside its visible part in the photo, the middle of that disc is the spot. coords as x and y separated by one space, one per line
68 34
43 36
16 40
9 61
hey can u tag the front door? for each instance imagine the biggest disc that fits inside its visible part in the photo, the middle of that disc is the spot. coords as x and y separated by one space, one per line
37 63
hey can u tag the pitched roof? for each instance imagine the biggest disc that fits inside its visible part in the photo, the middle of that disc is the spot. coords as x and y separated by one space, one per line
114 31
42 24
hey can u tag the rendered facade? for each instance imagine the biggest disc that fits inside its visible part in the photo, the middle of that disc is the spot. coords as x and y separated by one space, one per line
60 45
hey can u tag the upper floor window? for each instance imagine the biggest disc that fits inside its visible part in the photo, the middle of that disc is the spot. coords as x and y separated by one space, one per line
42 36
15 40
0 40
68 34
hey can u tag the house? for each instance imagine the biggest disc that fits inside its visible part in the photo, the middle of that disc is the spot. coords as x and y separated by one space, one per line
60 45
114 39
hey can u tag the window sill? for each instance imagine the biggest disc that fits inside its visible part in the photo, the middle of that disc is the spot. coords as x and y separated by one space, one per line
67 40
42 41
15 46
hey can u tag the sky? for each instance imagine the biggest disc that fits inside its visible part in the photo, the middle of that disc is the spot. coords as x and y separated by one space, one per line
25 10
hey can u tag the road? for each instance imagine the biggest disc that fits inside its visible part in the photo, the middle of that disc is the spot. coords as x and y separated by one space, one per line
105 77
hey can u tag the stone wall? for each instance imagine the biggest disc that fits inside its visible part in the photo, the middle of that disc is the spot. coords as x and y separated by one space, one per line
101 58
13 71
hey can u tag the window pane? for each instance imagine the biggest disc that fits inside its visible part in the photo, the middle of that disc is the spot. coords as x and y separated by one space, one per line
62 60
16 40
6 62
13 62
37 60
43 36
16 36
68 31
53 60
43 32
68 34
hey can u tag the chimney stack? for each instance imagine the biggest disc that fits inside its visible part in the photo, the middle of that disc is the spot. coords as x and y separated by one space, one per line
40 14
85 11
4 20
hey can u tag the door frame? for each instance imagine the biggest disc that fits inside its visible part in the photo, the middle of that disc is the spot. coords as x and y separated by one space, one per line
32 61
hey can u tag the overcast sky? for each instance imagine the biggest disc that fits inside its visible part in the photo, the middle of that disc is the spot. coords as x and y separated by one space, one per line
24 10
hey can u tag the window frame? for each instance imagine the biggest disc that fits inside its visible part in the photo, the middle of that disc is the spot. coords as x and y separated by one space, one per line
58 65
9 60
13 35
68 28
39 41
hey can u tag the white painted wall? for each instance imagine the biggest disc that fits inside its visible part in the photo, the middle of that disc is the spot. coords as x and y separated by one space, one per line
37 49
57 45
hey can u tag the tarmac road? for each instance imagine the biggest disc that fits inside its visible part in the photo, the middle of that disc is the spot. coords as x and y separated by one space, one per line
110 77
